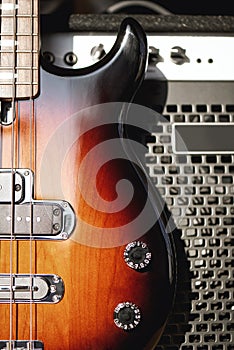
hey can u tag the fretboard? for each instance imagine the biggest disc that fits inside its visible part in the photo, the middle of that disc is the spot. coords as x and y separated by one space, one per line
19 49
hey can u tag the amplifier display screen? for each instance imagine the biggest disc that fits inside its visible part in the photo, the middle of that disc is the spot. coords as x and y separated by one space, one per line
203 138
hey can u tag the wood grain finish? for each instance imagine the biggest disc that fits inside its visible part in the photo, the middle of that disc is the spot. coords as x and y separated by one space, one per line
94 272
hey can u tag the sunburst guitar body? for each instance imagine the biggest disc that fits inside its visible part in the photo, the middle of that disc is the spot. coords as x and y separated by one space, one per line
86 261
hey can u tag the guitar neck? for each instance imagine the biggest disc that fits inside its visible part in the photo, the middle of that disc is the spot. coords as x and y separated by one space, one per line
19 49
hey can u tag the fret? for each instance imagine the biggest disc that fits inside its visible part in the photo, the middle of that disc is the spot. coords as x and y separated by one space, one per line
17 68
19 49
12 35
22 6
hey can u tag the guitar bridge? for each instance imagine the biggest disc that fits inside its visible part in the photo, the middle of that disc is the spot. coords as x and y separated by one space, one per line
21 345
23 218
19 288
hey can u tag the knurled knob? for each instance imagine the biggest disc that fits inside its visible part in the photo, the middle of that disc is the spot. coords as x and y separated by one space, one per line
98 52
127 316
137 255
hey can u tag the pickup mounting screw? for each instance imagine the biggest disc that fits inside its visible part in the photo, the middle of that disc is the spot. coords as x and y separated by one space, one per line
53 288
55 279
64 235
56 212
17 187
56 227
56 298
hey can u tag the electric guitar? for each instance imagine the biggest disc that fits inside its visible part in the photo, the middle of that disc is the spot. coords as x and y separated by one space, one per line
85 258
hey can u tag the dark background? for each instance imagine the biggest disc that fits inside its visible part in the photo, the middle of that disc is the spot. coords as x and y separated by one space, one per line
55 13
196 7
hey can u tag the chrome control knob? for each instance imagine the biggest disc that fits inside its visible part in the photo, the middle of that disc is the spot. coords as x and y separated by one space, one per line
97 52
154 56
178 55
137 255
127 316
70 59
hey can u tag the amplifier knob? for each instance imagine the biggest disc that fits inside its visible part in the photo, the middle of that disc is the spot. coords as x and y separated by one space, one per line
154 56
137 255
127 316
178 55
70 59
97 52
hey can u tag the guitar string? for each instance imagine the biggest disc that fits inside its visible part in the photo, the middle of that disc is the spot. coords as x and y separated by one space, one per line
13 88
1 123
3 162
13 161
32 149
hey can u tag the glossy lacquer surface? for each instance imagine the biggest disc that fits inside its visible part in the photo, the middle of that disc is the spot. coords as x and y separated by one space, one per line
74 145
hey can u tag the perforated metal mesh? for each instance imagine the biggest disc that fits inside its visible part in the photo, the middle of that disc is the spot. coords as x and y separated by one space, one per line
199 191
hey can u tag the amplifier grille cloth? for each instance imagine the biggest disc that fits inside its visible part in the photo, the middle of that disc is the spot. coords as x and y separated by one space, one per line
199 191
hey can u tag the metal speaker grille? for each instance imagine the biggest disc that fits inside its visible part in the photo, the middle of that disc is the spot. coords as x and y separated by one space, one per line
199 191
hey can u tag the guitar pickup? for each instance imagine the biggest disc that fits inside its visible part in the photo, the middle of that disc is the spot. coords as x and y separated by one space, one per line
24 218
39 220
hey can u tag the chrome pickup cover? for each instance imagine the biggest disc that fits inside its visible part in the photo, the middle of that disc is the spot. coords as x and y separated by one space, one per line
11 178
21 345
37 220
23 218
20 288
